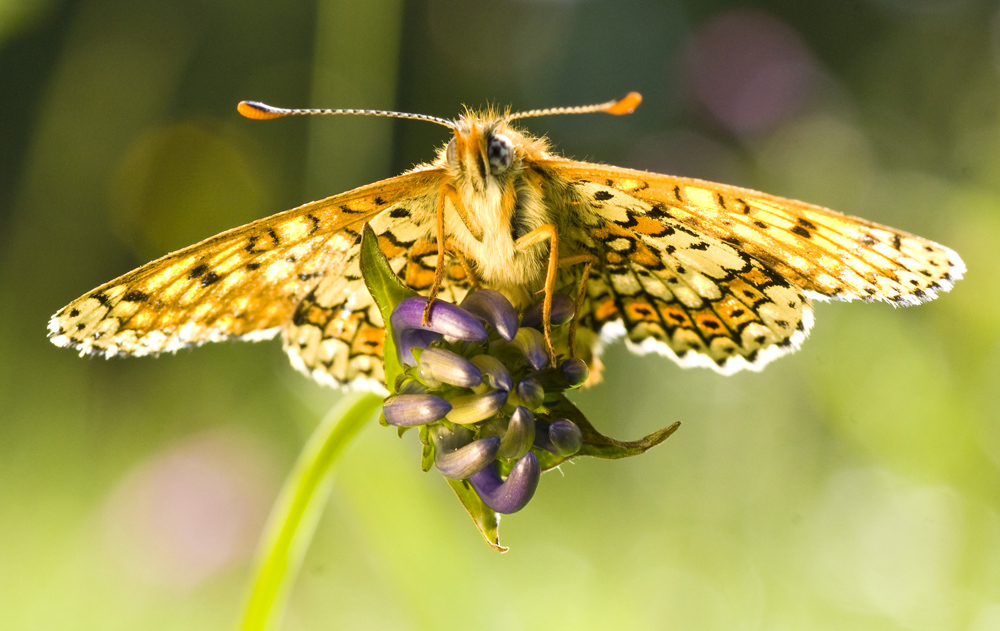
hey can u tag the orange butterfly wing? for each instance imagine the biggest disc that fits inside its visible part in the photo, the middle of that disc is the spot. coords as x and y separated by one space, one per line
247 282
720 276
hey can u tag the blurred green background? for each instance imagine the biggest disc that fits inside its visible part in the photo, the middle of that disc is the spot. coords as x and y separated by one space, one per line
853 485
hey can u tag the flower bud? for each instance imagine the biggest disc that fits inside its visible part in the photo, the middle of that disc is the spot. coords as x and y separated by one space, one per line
575 371
407 410
445 366
493 307
530 393
472 408
445 318
510 495
565 437
563 310
494 372
520 434
408 339
459 464
532 344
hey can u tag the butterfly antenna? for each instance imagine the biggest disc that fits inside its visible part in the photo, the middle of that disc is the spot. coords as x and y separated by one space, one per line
262 111
625 105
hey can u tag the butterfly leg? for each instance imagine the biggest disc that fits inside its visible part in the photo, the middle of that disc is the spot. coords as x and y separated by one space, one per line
540 234
447 192
456 251
588 261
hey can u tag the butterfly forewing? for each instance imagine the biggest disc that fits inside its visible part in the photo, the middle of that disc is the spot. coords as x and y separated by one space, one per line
246 282
826 253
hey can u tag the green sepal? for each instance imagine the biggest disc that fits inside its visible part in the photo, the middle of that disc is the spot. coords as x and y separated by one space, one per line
595 443
387 291
485 518
427 455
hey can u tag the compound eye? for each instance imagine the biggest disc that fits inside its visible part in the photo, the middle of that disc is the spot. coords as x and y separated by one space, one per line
500 153
450 154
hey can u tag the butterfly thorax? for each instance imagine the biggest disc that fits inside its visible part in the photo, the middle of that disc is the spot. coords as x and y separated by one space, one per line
488 165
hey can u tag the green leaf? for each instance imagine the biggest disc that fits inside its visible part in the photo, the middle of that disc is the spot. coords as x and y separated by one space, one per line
293 518
387 291
485 518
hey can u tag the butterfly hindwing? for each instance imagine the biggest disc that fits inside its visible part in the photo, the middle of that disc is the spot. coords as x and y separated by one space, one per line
690 296
336 334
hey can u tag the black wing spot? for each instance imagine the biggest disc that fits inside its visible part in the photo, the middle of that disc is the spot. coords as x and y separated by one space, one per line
197 271
868 240
135 296
760 224
710 324
701 245
805 223
209 278
602 196
737 313
399 213
252 245
379 201
896 241
74 312
681 270
309 275
101 298
81 326
315 223
253 265
802 232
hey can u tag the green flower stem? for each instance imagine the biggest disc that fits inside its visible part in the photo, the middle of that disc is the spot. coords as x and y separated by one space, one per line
293 518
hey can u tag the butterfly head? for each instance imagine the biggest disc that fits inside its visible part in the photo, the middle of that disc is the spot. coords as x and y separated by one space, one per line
485 151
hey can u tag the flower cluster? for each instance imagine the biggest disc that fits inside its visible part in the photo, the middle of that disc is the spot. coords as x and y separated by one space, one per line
476 380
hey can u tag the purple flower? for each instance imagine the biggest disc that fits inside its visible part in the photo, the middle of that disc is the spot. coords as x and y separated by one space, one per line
442 365
530 392
494 372
492 306
445 319
531 343
510 495
575 372
472 408
520 434
565 437
461 463
563 310
407 410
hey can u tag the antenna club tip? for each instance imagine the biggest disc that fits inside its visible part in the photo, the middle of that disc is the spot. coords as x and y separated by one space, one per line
258 111
626 105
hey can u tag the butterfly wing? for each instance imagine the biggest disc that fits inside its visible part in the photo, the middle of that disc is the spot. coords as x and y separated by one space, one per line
255 280
721 276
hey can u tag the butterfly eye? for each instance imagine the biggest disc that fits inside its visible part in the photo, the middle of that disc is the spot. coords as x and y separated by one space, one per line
450 154
500 152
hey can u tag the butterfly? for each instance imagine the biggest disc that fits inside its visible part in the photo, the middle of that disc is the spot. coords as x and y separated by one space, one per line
707 274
